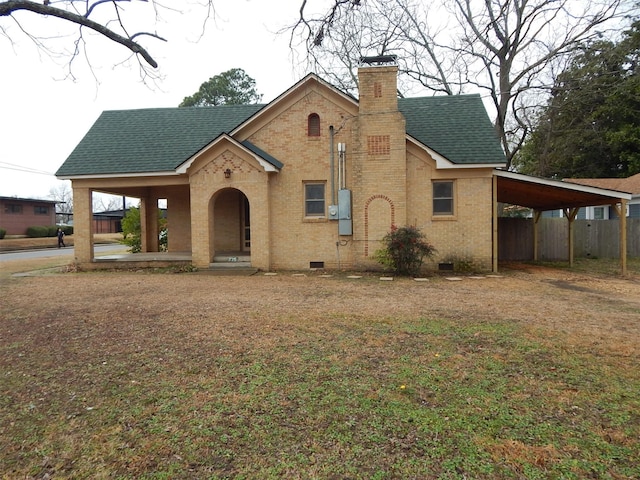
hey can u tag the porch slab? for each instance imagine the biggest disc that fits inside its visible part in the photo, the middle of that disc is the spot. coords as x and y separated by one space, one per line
228 263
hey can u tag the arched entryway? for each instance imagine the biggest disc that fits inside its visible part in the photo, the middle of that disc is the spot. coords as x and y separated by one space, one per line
231 233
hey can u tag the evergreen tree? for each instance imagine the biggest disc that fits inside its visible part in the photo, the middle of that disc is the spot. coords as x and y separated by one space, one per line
233 87
591 124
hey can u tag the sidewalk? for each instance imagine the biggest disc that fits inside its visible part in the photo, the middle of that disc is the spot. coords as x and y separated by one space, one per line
24 243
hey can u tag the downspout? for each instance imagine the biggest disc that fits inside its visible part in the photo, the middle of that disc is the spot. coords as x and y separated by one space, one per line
331 157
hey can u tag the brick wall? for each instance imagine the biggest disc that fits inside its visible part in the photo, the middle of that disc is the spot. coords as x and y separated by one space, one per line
388 187
390 179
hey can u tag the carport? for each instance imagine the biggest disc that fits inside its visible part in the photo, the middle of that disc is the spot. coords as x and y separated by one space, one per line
541 194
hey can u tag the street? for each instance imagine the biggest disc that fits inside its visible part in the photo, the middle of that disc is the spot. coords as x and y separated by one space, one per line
57 252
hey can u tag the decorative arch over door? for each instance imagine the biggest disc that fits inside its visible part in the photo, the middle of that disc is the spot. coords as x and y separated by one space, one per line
379 216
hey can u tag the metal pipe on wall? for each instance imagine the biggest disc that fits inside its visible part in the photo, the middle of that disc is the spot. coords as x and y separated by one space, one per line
331 157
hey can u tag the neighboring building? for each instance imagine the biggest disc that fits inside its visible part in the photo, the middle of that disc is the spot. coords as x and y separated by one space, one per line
605 212
110 221
18 214
315 178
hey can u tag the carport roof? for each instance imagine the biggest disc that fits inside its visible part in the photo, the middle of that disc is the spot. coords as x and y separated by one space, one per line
546 194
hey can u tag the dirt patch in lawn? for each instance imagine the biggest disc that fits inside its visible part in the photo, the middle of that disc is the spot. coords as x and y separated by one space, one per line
601 311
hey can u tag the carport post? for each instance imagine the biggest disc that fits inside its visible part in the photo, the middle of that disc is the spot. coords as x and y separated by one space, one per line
571 216
621 210
536 223
495 252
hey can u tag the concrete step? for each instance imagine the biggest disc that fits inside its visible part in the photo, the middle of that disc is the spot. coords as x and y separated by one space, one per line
232 258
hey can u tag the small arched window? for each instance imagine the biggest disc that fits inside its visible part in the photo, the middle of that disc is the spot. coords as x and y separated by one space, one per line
313 125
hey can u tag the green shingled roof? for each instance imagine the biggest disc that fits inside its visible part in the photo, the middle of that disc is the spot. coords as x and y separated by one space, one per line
160 139
455 126
150 140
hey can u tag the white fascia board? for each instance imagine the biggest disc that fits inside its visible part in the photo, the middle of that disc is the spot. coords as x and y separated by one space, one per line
118 175
443 163
182 169
273 104
565 185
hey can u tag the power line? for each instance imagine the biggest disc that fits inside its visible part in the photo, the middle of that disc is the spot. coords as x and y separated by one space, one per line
21 168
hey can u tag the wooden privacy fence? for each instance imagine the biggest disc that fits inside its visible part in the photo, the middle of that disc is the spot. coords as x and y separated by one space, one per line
592 238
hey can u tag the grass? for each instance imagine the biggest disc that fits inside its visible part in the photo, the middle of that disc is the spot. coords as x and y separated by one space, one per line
353 397
598 266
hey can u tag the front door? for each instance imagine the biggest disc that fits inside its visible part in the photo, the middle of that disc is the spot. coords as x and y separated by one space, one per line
246 222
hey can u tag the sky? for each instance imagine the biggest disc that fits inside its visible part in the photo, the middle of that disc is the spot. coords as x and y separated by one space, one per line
44 115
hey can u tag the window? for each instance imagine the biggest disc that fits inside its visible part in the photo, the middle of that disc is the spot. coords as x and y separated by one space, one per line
40 210
12 208
598 213
443 198
313 125
314 199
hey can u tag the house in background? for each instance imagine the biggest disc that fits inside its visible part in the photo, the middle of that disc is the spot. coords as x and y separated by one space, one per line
314 179
110 221
605 212
18 214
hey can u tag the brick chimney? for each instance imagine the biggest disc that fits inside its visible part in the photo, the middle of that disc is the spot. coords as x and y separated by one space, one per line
378 85
379 153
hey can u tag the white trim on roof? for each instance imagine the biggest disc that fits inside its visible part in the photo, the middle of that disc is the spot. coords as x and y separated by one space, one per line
117 175
273 104
564 185
184 166
443 163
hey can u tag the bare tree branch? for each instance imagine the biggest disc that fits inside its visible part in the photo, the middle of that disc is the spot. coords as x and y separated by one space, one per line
11 6
506 48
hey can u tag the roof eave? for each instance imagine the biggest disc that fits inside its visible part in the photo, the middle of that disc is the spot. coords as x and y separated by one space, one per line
274 103
266 165
614 194
117 175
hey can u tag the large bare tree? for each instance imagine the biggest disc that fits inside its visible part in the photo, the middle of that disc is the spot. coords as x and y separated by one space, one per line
111 18
507 50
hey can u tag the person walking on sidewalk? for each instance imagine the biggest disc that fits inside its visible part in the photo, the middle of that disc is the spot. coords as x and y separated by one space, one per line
61 238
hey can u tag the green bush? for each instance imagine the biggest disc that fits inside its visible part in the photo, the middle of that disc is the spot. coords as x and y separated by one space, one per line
404 250
3 232
38 232
67 229
132 231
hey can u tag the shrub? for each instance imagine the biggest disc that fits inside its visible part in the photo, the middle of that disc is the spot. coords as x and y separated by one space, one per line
404 250
3 232
38 232
132 231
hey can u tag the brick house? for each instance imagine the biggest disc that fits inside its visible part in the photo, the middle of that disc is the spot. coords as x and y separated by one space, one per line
313 179
18 214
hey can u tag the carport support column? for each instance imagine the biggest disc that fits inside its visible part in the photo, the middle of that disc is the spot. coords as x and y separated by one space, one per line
621 210
82 225
571 216
536 233
494 232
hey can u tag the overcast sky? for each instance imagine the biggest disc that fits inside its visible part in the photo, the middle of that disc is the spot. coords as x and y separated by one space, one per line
43 116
